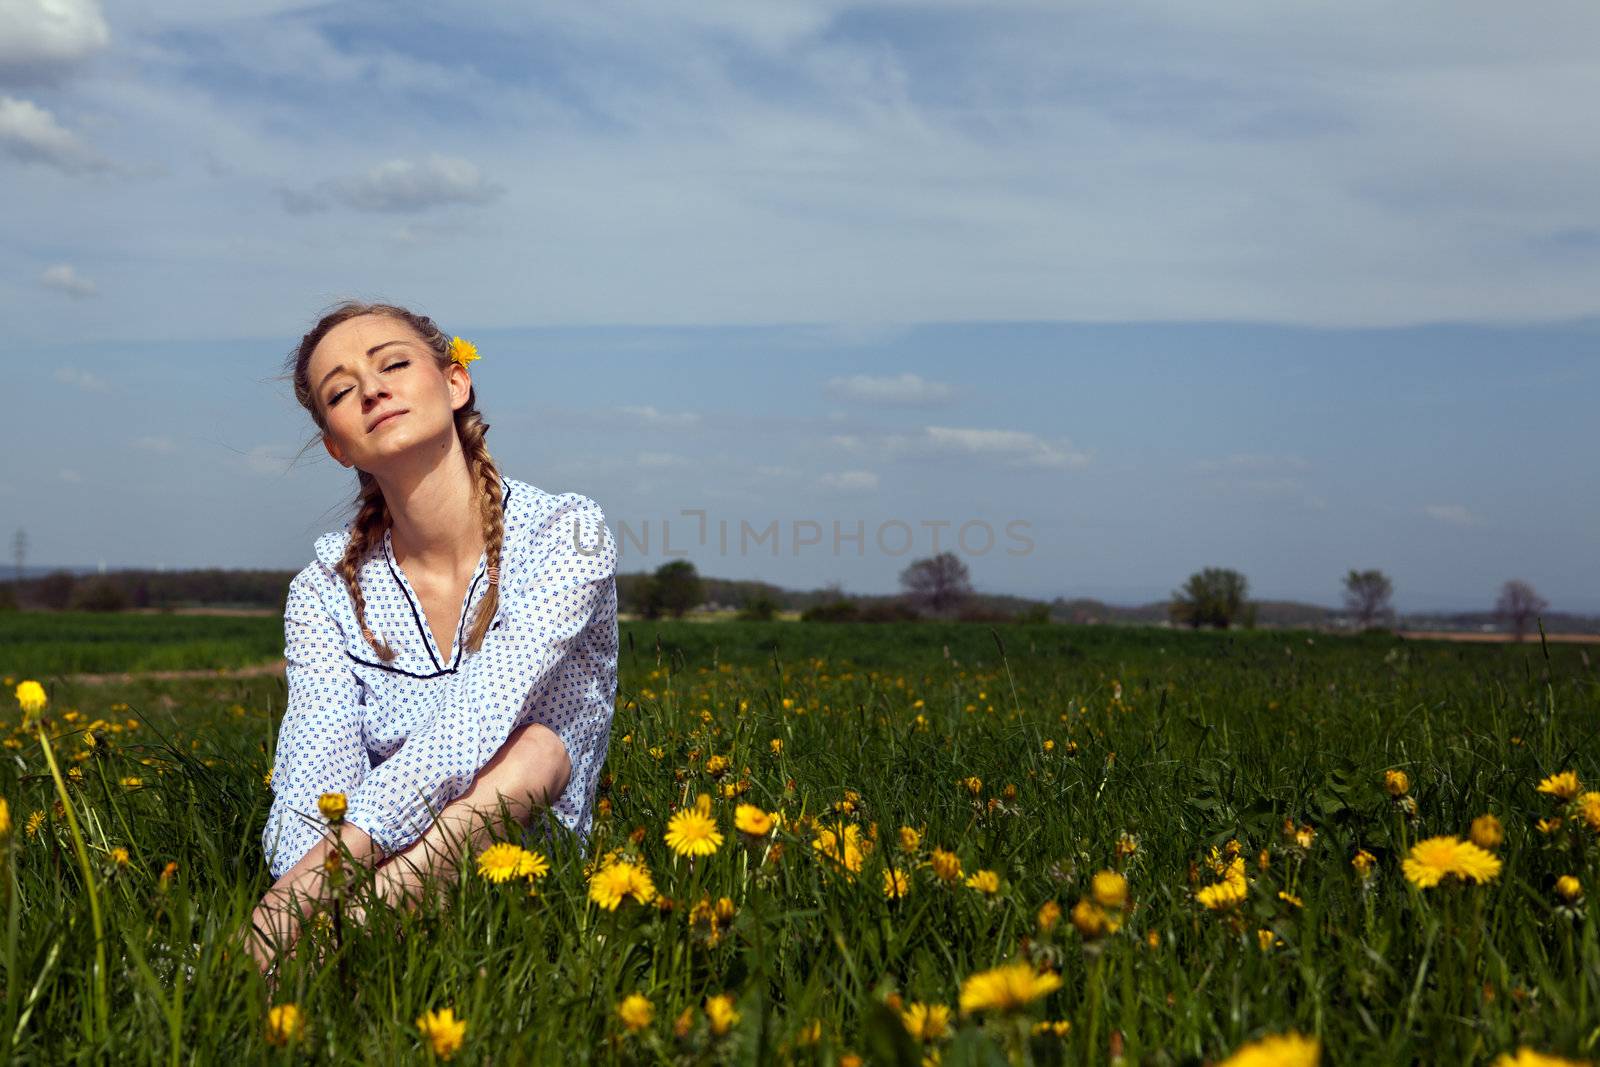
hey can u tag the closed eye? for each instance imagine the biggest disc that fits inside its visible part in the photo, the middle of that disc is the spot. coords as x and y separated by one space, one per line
334 399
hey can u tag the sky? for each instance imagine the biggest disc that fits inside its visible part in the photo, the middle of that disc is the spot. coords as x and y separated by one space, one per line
1094 294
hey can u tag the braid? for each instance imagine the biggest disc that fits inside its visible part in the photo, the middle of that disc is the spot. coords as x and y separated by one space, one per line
371 520
472 428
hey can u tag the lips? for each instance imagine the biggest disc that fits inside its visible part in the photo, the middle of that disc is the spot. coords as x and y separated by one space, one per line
386 418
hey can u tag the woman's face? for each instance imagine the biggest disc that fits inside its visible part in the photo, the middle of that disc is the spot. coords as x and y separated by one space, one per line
382 392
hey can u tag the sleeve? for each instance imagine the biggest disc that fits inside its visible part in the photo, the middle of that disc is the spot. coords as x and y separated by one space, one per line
319 745
549 597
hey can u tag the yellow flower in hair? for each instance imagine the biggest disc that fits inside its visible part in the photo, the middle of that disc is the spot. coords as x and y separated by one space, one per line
463 351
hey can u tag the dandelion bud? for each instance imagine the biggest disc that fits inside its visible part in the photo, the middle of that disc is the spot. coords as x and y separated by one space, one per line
1487 832
1396 783
1568 888
332 806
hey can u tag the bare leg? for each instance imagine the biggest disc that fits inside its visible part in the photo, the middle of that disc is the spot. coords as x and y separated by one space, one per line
530 770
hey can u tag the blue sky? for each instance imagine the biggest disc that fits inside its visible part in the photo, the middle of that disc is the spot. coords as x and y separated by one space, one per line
1168 284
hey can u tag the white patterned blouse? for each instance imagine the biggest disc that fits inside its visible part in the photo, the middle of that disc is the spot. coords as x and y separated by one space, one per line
403 739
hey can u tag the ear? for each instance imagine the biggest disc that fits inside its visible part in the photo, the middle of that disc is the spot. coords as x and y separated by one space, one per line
460 381
334 450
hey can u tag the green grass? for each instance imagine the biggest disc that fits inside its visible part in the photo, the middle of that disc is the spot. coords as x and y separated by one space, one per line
1215 737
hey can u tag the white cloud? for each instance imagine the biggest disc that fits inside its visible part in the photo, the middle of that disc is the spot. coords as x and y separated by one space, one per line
850 481
1015 447
649 415
39 37
268 460
64 278
400 185
31 134
1452 514
905 390
82 379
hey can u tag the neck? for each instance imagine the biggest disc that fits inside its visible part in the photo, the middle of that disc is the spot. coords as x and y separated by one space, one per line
435 516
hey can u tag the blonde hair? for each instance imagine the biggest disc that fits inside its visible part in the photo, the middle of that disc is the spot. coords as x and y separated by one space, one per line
372 511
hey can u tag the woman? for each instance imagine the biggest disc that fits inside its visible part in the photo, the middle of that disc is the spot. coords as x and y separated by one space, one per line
451 652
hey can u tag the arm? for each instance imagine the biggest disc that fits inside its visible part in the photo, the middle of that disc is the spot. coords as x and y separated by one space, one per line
548 598
319 746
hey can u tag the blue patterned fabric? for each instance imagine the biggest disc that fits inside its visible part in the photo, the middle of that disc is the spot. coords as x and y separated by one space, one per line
403 739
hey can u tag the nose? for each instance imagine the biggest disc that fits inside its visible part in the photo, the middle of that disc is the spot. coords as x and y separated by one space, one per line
372 390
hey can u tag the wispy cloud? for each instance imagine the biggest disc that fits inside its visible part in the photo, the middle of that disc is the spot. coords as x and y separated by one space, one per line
904 390
399 186
1453 514
82 379
1013 447
159 444
849 481
65 279
649 415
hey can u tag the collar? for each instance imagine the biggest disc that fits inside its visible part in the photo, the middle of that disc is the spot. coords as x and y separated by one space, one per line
330 546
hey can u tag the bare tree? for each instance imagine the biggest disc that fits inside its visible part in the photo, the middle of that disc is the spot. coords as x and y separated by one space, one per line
1517 604
939 583
1366 596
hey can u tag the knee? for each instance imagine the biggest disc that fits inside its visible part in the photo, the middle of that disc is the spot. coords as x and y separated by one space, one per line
540 760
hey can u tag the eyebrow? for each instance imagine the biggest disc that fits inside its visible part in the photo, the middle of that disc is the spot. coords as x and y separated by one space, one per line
370 352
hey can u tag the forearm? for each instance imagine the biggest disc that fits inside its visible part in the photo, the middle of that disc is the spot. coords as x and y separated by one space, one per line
305 884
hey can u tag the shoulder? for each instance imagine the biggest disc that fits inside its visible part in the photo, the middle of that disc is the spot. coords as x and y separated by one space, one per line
536 520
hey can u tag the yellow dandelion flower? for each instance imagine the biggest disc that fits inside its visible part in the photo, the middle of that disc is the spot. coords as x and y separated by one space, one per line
1437 858
1548 826
984 882
1223 895
1563 786
1487 832
1267 939
1110 889
332 806
1396 783
909 839
34 824
285 1023
532 864
946 865
119 856
1090 919
1527 1057
443 1031
636 1012
5 818
31 696
896 884
610 885
693 831
749 819
1363 861
1279 1050
1049 915
1568 888
719 1010
1006 988
501 861
132 782
926 1022
1589 810
266 779
463 351
1052 1028
972 784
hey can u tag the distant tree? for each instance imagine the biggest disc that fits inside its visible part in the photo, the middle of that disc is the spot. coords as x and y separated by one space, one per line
1212 597
1518 603
54 590
939 583
832 611
675 588
99 594
759 608
1366 596
1034 613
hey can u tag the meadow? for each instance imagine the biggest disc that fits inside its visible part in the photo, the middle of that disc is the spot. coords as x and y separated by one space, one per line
917 843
